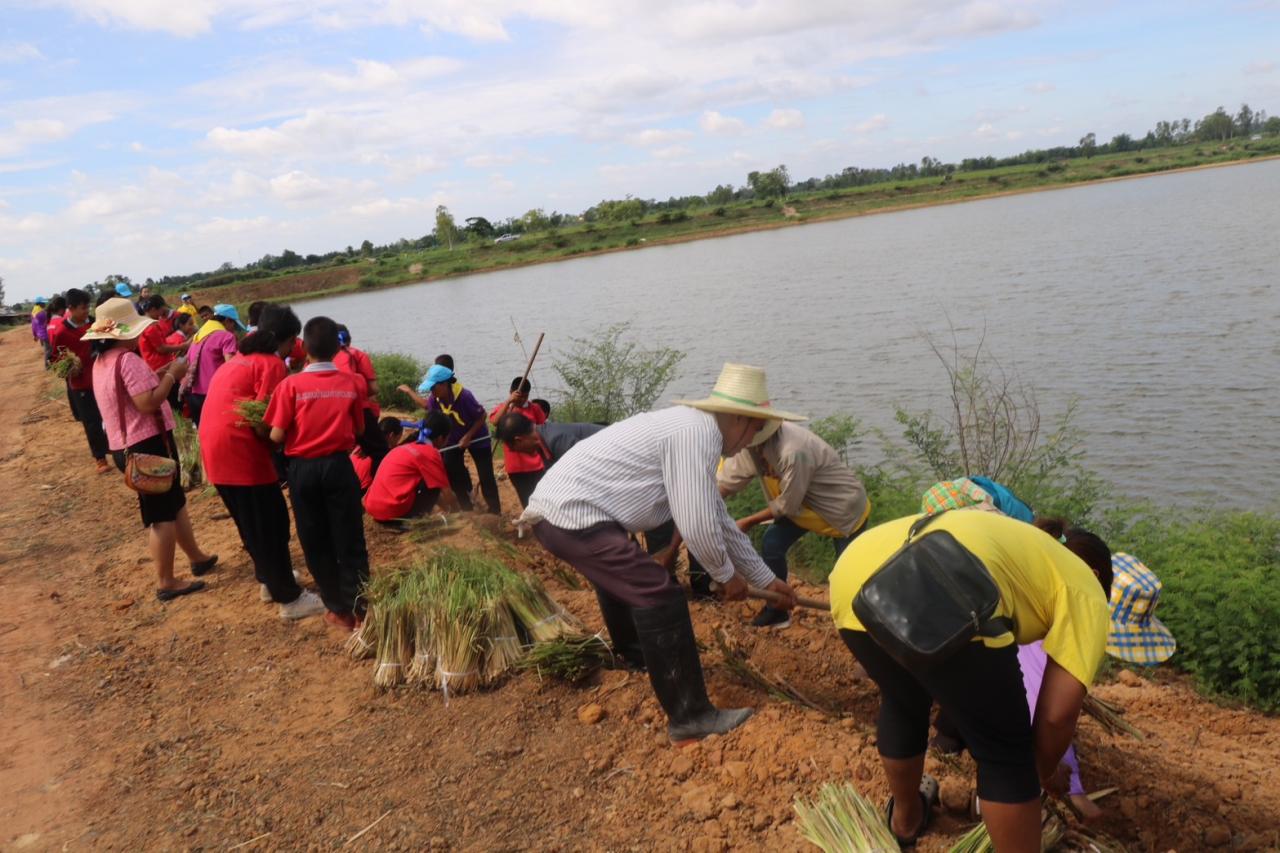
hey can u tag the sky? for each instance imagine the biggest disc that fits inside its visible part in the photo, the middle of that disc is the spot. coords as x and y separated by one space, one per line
158 137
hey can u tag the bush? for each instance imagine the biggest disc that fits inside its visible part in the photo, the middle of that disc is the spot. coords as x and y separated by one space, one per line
396 369
633 241
560 242
1221 598
368 281
719 211
607 378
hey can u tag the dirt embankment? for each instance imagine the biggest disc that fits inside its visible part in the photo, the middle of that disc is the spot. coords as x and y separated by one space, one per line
209 723
282 288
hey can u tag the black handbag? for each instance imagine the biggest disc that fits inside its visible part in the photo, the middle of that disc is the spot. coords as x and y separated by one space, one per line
929 599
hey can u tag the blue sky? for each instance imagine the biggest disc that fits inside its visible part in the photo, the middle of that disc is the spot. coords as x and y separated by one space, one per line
153 137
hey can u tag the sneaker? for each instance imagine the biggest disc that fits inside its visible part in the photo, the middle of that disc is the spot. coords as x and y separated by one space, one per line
307 604
771 619
264 594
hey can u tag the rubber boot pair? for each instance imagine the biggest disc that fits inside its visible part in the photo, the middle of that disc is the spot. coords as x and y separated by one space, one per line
622 631
665 634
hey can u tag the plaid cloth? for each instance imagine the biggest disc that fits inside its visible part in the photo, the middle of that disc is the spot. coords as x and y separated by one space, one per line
1137 636
955 494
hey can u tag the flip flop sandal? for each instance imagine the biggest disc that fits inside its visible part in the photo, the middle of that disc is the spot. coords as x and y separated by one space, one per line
171 594
928 796
204 566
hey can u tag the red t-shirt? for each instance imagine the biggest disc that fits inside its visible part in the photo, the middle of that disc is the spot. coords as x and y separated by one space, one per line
233 454
297 356
353 360
513 460
71 338
320 410
364 469
149 344
401 472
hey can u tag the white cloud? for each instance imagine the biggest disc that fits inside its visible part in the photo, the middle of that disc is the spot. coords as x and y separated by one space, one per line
785 120
1262 66
658 136
714 122
221 225
488 161
875 124
673 152
14 52
1041 88
256 142
985 131
298 186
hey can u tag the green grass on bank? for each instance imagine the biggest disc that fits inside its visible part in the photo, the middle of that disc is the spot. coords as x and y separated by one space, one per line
704 220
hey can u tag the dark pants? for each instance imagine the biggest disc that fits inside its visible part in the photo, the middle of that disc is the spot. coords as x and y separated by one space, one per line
373 441
524 482
624 577
262 517
195 402
455 465
85 405
981 691
158 509
330 520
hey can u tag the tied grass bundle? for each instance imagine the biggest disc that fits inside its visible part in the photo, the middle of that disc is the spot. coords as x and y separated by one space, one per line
572 657
457 618
541 617
841 820
978 840
65 364
191 472
499 630
1109 717
251 412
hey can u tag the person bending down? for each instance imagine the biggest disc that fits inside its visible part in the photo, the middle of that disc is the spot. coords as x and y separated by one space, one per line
411 479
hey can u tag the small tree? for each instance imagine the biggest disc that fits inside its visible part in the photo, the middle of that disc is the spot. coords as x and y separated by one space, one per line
771 184
607 378
1 290
1088 144
446 230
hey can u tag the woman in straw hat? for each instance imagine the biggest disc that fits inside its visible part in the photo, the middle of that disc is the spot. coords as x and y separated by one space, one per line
633 476
137 417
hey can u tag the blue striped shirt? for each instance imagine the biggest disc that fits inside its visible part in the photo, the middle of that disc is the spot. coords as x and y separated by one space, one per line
646 470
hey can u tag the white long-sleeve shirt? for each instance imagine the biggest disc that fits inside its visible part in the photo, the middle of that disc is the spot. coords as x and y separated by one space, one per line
646 470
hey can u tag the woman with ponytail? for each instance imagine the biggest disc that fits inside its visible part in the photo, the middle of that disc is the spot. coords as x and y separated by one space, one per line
238 461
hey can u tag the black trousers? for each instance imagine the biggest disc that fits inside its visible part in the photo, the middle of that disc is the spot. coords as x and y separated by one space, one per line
330 520
981 691
372 441
524 483
262 517
455 465
195 402
85 405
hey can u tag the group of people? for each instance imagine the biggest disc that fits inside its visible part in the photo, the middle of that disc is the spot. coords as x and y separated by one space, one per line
617 502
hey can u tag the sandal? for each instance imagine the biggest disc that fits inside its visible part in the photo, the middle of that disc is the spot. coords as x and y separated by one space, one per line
204 566
171 594
928 796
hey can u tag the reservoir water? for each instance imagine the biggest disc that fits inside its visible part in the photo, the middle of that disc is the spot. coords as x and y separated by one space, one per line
1155 303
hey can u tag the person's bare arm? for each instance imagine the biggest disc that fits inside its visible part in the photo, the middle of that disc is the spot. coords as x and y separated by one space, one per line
277 435
413 395
1057 712
150 401
465 441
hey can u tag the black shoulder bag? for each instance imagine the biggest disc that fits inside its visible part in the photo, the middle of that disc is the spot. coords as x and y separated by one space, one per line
929 599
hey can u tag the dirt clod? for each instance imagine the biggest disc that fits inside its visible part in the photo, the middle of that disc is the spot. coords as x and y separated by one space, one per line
590 714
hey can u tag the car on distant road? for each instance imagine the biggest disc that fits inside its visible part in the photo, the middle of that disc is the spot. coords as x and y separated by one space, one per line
506 238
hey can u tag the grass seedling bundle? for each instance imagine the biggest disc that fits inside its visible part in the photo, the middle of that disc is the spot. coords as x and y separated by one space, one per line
251 412
65 364
572 657
191 472
978 840
1109 717
841 820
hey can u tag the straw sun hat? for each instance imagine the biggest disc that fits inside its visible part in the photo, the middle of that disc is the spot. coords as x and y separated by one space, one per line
741 390
117 320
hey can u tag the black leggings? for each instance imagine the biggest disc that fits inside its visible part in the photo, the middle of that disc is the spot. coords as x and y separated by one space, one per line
981 691
455 465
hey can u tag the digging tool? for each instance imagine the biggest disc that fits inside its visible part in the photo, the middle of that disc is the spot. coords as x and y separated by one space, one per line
775 598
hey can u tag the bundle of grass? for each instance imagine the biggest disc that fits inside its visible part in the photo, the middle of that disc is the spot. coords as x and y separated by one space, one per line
191 472
1108 716
65 363
978 840
380 595
457 622
499 630
571 657
540 617
841 820
251 412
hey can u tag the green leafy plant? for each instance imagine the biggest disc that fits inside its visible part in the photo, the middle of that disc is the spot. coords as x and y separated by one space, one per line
608 377
395 369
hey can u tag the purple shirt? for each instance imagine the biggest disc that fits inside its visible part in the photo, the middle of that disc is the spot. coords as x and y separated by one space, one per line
40 326
464 411
1033 660
208 355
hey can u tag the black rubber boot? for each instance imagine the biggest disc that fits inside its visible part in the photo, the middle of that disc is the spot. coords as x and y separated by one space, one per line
675 671
622 630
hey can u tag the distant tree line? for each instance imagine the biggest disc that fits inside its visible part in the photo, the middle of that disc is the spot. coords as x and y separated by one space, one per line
1216 127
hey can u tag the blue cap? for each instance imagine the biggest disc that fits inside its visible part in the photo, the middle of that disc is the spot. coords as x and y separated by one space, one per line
40 300
229 312
123 289
437 374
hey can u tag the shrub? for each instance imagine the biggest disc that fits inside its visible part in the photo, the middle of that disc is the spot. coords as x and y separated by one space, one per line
560 242
396 369
719 211
368 281
633 241
1221 598
607 378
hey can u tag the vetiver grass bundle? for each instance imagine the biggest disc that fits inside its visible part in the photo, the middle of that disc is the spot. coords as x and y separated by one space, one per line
572 657
455 621
978 840
841 820
251 412
65 363
1108 716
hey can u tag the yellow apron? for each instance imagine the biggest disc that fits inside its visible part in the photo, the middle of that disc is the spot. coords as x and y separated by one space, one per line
806 517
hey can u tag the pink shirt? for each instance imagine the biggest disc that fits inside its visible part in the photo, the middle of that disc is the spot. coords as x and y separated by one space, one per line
138 379
210 354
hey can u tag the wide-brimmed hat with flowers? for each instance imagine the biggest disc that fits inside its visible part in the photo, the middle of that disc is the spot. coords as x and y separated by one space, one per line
741 390
117 320
1137 636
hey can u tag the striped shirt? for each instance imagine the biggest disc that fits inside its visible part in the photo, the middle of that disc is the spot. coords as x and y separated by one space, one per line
644 471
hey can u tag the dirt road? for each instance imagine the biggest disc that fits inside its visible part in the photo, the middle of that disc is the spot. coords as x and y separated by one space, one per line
208 723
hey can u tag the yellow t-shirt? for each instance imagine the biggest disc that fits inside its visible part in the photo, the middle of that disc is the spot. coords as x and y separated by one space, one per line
1049 592
188 308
